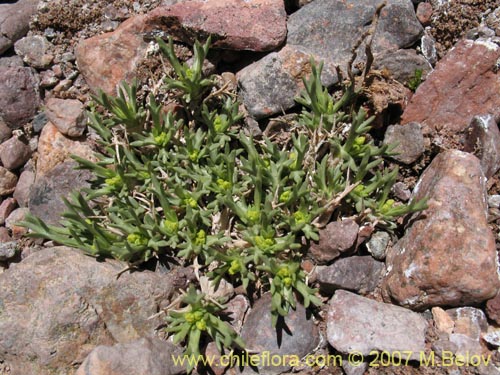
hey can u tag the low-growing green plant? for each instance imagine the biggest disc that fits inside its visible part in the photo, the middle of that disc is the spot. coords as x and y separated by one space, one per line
416 80
201 316
198 188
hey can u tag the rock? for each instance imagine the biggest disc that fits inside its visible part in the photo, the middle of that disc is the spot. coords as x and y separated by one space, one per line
409 140
54 148
424 13
482 138
4 235
329 29
377 245
5 131
493 21
493 309
48 79
223 292
271 84
8 250
8 181
67 115
468 321
402 64
23 188
14 153
297 337
94 307
145 356
447 256
45 200
14 21
492 337
236 310
39 122
6 208
325 30
356 323
10 61
336 238
428 48
463 85
465 346
401 191
257 25
34 51
357 273
15 217
494 201
443 321
19 98
122 49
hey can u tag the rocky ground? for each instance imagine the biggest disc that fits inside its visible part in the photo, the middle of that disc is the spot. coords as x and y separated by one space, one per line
429 288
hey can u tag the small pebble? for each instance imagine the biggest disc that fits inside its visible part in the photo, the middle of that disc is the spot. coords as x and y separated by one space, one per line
8 250
377 245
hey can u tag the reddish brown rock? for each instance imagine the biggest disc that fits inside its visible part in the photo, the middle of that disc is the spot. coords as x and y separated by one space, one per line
482 138
106 60
447 257
464 84
493 309
14 153
14 21
6 208
424 13
54 148
23 188
338 237
62 304
8 181
67 115
19 98
15 217
255 25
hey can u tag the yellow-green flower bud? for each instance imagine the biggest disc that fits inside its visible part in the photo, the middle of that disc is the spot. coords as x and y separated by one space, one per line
161 139
235 267
218 125
301 217
201 325
193 155
170 226
223 184
287 281
285 196
283 272
137 239
387 206
198 315
189 317
263 243
115 181
201 238
253 215
191 202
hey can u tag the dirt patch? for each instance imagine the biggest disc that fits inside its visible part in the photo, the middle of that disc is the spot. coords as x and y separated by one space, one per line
455 18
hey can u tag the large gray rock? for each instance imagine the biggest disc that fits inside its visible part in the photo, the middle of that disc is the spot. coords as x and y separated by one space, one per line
409 141
58 304
298 335
48 191
356 323
14 21
146 356
360 274
325 30
447 257
19 97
